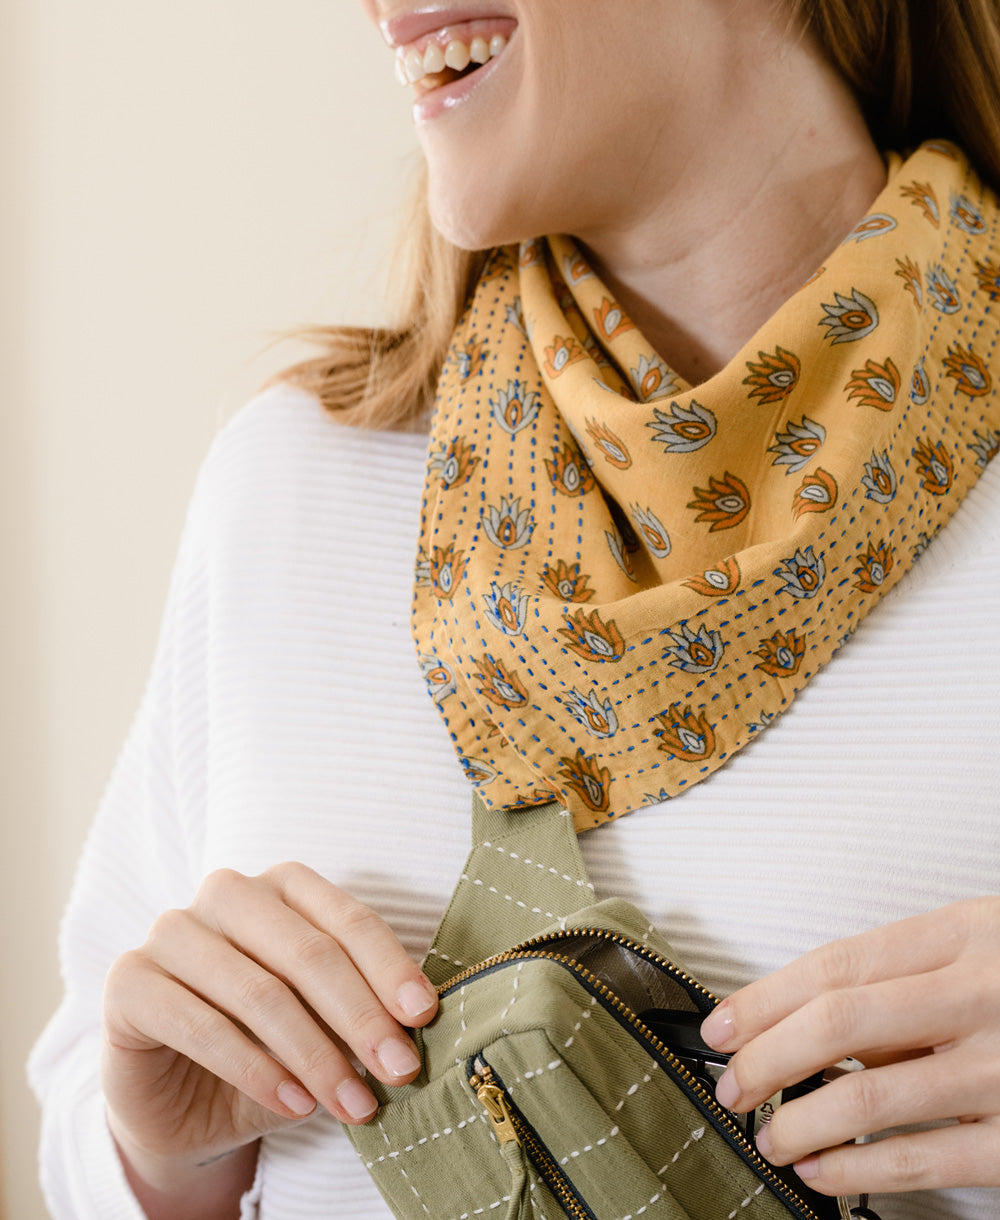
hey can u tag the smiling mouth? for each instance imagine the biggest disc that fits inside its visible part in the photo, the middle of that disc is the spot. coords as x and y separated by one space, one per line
451 54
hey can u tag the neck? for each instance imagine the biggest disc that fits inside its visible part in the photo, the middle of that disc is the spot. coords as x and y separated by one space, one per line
699 269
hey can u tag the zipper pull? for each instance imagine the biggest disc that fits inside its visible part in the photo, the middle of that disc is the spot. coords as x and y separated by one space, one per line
494 1101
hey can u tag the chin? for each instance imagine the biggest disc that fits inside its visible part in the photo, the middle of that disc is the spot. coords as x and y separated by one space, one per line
479 218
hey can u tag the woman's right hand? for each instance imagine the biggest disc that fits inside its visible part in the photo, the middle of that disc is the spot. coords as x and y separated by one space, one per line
242 1011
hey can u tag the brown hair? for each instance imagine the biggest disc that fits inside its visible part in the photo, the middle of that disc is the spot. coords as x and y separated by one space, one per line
921 69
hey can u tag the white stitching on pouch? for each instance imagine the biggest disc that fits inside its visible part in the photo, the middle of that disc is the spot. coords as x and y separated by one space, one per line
536 864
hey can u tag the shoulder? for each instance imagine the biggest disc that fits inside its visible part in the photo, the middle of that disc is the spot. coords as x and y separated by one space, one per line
284 463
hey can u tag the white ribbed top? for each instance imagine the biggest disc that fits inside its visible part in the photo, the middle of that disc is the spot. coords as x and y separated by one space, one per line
286 718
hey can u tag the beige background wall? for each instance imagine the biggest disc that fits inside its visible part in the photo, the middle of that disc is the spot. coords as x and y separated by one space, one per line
180 180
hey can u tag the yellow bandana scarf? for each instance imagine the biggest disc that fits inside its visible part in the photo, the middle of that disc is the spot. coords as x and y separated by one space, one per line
622 578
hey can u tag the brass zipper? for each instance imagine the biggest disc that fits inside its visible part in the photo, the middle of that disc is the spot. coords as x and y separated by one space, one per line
533 949
509 1126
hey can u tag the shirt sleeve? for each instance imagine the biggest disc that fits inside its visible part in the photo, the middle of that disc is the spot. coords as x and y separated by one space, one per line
140 859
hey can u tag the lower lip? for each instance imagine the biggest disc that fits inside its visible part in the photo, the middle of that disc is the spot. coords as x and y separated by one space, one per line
445 98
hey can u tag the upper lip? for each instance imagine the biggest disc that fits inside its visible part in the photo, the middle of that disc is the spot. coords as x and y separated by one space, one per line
407 27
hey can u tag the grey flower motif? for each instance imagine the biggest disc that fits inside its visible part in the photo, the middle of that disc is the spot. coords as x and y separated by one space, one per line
477 771
849 318
508 526
652 379
513 409
595 714
966 215
798 444
758 726
422 572
803 574
873 225
942 290
685 428
515 316
616 545
439 678
923 542
506 608
879 478
986 446
652 531
695 653
656 798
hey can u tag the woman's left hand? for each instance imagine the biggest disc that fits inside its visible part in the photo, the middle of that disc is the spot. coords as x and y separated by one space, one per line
918 1002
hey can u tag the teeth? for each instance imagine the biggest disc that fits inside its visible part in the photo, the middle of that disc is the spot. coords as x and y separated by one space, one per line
433 59
457 55
412 66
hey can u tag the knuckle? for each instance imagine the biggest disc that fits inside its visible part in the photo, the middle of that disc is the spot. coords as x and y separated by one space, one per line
312 951
217 886
836 1018
905 1165
261 993
355 921
867 1101
286 876
839 964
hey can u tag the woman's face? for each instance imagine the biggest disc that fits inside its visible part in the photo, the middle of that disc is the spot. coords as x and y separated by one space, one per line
585 111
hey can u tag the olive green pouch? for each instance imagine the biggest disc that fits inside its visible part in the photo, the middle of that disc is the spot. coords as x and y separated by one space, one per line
542 1094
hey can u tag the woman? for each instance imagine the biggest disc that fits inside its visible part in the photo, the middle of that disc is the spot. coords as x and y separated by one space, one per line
707 156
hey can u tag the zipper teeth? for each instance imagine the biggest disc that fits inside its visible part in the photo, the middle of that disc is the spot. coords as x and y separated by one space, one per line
531 949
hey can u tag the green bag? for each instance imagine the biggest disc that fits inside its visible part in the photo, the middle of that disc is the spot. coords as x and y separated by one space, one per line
542 1094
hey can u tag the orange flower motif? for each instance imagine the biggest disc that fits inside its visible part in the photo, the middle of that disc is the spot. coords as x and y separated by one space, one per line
775 377
531 253
591 638
913 283
611 320
455 464
500 685
611 447
471 358
447 570
590 781
689 738
561 354
969 371
922 195
500 263
817 494
719 581
725 502
988 278
876 385
569 473
874 566
566 582
934 467
782 654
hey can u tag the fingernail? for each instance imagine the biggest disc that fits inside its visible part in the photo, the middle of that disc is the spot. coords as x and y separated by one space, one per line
356 1100
416 998
398 1058
293 1097
763 1142
807 1168
727 1091
717 1028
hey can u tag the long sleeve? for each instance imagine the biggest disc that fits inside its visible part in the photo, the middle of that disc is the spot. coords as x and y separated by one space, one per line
138 861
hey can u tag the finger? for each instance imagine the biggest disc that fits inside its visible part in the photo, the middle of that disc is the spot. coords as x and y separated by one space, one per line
266 1007
257 919
861 1103
146 1009
912 946
904 1014
965 1155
